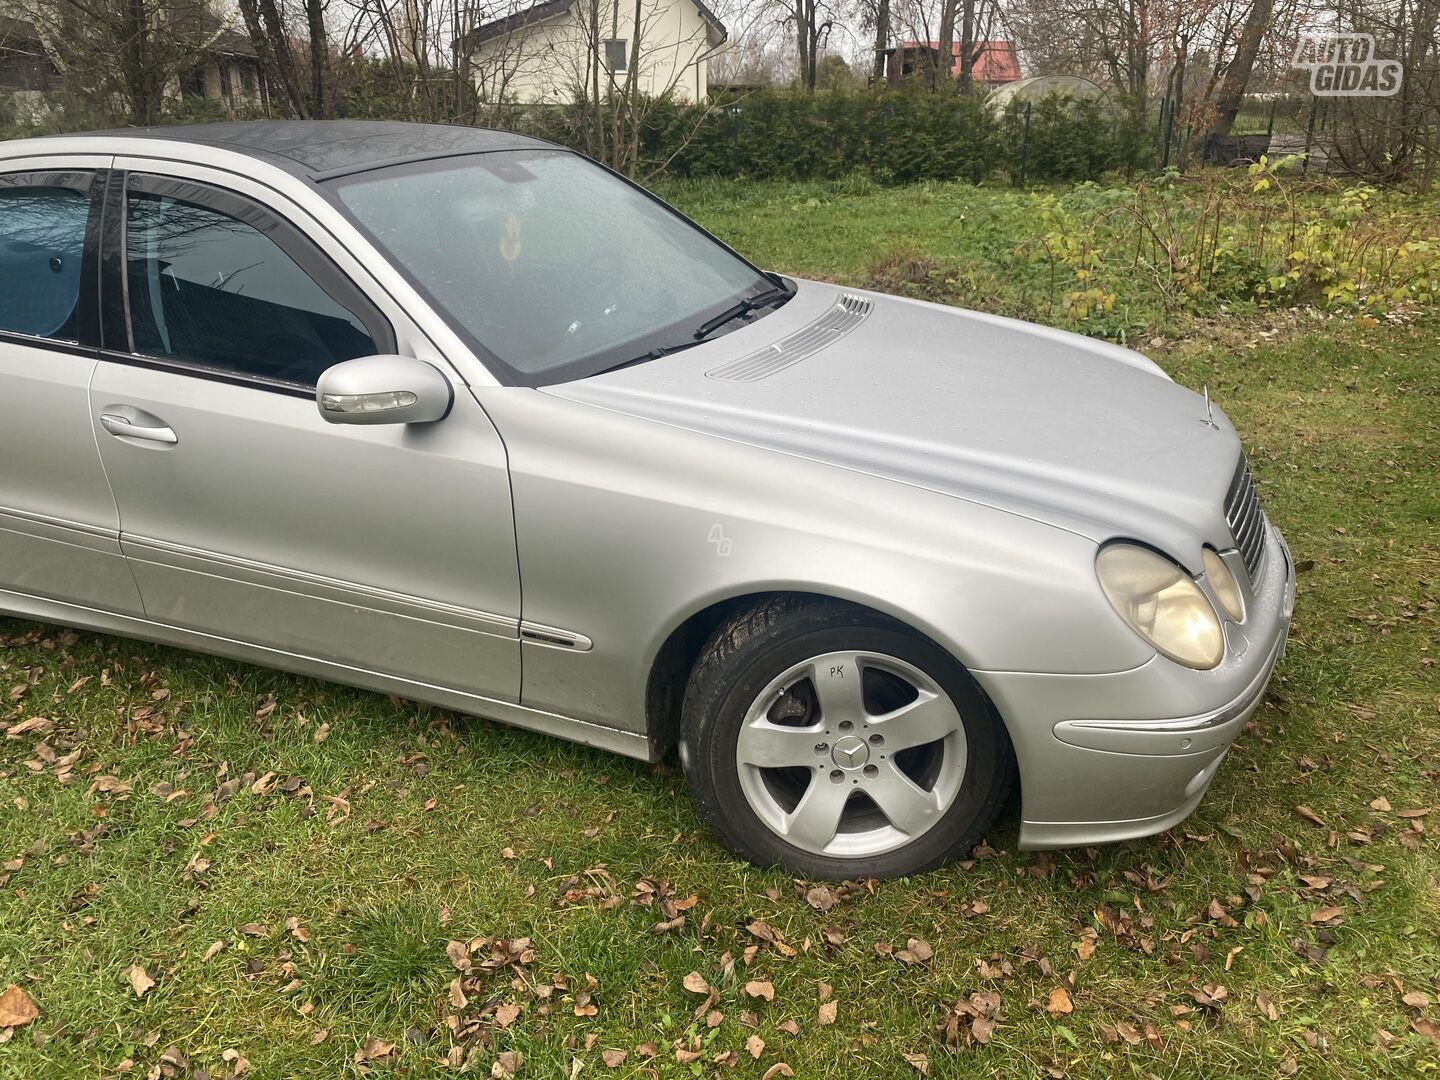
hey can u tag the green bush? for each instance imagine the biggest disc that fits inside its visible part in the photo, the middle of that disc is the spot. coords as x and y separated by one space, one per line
891 137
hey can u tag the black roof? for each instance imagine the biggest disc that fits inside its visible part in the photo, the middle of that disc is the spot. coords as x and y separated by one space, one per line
315 149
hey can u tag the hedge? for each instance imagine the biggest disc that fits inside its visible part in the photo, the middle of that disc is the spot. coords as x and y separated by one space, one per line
894 138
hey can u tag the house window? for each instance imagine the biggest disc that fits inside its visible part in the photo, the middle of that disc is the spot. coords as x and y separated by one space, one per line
193 82
615 54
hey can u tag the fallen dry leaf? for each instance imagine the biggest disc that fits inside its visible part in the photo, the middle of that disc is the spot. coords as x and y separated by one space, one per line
971 1020
778 1069
695 983
109 785
1059 1003
1422 1026
1382 804
822 898
140 981
1415 999
373 1049
1327 915
760 988
507 1014
825 1015
919 1062
916 951
238 1062
16 1008
507 1064
1267 1007
1210 995
1310 816
459 954
613 1059
755 1046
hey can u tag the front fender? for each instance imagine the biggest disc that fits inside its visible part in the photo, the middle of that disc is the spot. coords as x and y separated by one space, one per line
626 527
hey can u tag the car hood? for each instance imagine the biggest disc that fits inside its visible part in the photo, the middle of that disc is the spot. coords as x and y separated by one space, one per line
1054 426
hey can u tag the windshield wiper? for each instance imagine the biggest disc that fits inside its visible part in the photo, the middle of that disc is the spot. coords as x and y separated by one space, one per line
744 307
654 354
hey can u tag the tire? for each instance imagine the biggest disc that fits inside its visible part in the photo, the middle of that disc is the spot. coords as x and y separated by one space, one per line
773 739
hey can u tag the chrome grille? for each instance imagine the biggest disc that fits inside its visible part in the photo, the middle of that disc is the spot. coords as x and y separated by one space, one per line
1246 519
849 312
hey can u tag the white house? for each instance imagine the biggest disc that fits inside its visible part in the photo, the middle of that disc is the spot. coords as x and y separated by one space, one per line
547 53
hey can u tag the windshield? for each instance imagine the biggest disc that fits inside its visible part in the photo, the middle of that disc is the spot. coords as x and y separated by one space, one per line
554 267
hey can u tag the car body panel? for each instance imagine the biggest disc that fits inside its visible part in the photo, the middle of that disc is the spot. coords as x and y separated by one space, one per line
59 529
265 523
1074 432
681 520
1146 742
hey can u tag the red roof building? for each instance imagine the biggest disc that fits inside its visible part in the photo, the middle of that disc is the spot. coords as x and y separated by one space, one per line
997 64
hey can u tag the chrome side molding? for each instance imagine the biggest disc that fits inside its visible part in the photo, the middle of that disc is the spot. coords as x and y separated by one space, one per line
554 636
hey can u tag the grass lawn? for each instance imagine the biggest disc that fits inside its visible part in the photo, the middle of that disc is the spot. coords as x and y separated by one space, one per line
211 867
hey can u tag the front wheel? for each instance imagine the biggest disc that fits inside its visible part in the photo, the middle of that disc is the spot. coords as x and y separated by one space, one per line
834 741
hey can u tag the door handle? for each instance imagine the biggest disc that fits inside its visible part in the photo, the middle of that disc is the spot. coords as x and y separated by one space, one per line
122 426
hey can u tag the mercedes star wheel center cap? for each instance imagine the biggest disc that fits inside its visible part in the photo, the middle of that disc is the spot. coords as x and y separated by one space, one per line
850 752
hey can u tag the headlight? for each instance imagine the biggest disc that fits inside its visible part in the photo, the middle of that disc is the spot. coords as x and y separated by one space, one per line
1223 585
1162 604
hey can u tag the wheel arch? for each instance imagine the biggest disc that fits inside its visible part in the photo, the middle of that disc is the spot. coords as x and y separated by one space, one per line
676 656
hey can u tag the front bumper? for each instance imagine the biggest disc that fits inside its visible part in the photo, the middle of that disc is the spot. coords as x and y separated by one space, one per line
1095 764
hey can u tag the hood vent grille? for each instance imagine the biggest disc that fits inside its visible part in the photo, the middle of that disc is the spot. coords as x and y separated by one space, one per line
849 312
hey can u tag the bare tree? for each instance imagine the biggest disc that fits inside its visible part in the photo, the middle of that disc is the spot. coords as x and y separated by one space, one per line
269 38
623 101
125 55
1237 72
882 36
1393 138
813 23
319 42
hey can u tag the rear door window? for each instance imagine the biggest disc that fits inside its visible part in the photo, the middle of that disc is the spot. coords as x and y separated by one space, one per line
42 241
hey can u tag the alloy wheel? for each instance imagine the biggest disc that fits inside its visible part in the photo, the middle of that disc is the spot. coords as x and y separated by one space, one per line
851 754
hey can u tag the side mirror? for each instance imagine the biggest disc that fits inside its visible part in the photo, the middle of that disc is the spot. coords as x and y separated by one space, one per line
383 390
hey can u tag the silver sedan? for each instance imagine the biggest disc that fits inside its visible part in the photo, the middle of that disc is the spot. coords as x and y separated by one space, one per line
461 416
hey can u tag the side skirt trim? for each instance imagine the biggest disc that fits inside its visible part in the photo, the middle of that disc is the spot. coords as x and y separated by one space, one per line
61 530
316 586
